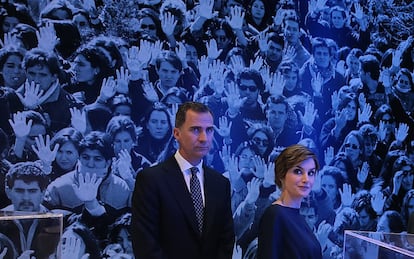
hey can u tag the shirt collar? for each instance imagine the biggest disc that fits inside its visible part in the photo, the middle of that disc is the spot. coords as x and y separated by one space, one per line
184 164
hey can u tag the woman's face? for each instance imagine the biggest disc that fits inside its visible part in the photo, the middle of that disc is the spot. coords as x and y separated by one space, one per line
147 26
338 21
291 80
363 218
352 148
299 180
158 124
67 156
353 64
246 160
12 72
261 141
122 141
82 24
258 9
329 185
403 84
191 54
9 23
83 69
221 38
350 110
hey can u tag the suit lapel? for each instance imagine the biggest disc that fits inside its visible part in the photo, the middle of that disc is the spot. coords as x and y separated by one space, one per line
178 188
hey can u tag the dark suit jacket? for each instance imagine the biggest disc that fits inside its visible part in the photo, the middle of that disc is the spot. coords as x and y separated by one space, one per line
163 218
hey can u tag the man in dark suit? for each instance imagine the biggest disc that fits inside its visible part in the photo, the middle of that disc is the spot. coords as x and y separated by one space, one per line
165 223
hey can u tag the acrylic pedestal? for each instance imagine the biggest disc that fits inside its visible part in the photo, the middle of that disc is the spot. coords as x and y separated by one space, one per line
22 231
376 245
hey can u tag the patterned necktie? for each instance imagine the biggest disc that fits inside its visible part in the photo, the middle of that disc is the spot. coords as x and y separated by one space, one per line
195 190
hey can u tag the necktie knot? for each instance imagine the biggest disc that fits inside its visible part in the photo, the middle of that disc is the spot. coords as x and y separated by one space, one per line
194 171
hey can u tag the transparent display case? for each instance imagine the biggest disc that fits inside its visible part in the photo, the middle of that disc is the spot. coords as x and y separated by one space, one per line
373 245
37 234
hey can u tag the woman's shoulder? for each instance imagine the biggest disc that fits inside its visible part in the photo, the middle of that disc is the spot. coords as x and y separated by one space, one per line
277 211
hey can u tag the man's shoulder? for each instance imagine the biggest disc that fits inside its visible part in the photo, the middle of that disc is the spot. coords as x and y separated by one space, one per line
163 166
215 175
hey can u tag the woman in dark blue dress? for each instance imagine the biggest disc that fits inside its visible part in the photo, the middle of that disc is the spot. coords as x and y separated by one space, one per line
283 231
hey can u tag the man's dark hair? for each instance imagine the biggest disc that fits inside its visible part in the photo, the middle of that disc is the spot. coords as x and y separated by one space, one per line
27 172
96 140
193 106
38 57
170 57
251 74
370 64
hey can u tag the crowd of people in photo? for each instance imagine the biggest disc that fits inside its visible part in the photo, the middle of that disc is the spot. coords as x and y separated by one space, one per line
90 89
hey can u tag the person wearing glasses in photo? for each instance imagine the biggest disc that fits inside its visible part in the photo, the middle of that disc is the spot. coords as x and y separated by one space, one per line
243 101
262 137
384 120
402 181
357 170
180 207
282 227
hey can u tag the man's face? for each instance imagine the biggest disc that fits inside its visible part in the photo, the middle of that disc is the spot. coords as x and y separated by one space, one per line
291 32
310 216
322 57
337 19
275 51
276 115
195 136
35 131
93 162
25 196
12 72
168 74
248 88
41 76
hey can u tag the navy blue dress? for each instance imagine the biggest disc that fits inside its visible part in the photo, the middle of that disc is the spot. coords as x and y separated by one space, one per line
283 233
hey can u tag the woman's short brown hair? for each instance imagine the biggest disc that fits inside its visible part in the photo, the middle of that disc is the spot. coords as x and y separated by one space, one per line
290 157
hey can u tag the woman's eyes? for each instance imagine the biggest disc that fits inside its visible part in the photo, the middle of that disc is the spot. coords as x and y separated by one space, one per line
299 172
